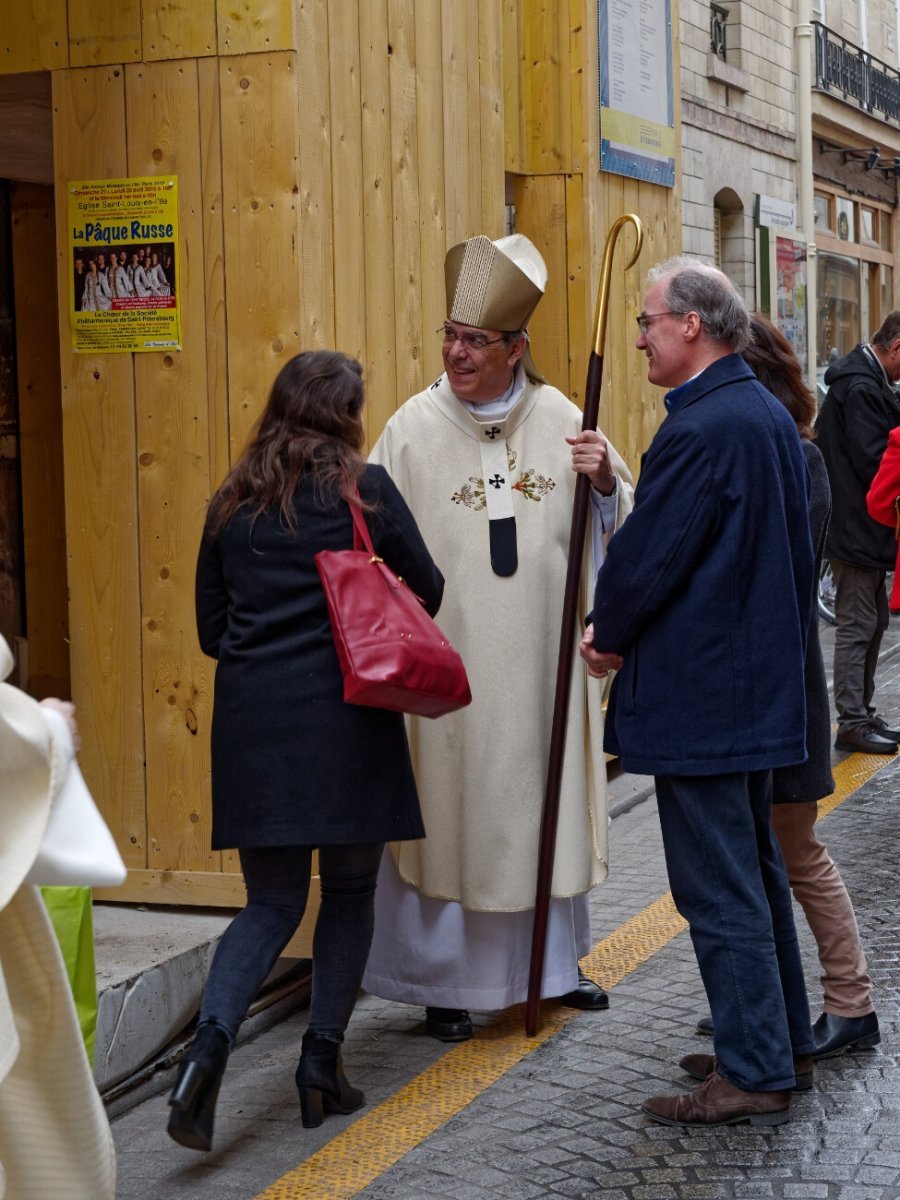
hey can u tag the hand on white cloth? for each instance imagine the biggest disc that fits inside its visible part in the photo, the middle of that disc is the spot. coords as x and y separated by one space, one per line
66 710
599 664
590 456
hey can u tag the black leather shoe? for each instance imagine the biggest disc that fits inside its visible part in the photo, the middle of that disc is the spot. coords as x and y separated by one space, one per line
588 996
836 1035
881 726
448 1024
705 1025
865 739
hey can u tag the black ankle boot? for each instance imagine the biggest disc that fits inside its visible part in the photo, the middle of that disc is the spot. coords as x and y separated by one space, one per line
321 1081
193 1099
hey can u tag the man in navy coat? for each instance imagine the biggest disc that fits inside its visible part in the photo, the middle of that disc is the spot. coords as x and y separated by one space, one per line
703 602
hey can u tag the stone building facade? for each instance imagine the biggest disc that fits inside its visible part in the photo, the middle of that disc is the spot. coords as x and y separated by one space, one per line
791 159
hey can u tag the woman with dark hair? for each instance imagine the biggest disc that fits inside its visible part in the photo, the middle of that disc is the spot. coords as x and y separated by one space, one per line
848 1021
294 768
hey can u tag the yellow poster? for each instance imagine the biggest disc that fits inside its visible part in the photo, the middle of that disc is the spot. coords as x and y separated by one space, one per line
124 265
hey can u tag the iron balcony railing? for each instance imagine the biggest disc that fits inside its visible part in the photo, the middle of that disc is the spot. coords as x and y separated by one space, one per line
859 78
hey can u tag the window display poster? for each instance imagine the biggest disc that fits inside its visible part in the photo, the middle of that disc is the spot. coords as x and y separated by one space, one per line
637 114
790 295
123 242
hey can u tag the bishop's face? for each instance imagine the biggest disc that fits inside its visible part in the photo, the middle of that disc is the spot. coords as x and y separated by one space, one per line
479 362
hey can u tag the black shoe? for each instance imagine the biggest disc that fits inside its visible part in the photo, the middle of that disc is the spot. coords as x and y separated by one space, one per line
448 1024
588 995
835 1035
865 739
705 1026
193 1099
881 726
321 1082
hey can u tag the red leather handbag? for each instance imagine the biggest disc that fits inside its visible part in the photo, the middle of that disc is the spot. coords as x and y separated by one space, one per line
391 652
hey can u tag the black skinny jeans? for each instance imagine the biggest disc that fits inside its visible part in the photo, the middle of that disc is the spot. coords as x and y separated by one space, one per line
277 879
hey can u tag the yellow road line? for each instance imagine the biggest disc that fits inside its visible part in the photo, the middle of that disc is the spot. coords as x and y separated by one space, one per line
372 1144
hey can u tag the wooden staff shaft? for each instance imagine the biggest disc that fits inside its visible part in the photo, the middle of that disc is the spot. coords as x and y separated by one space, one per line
550 816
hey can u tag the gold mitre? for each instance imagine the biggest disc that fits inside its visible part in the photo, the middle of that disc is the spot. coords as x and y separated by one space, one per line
496 285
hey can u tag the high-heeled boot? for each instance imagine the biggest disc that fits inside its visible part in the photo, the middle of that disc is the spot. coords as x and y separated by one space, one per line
322 1083
193 1099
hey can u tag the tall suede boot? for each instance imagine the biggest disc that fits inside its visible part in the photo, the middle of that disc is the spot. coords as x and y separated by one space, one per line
193 1099
321 1082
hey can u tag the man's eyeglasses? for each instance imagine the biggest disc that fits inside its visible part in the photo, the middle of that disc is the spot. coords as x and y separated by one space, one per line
644 320
471 341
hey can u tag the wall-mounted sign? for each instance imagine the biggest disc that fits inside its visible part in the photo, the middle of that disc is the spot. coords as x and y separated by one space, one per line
123 241
775 214
637 113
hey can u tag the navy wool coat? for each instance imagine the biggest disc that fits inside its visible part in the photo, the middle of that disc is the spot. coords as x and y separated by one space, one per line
292 764
707 587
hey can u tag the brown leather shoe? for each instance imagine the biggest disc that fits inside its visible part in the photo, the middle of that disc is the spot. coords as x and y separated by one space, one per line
718 1102
700 1066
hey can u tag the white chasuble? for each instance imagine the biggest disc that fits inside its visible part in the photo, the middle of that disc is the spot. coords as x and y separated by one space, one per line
481 772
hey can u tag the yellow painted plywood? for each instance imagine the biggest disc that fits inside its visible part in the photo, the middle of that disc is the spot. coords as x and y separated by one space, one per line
316 233
433 242
102 528
405 190
377 205
490 96
255 26
513 109
545 87
40 442
178 29
104 32
541 216
33 36
260 175
468 10
209 111
350 282
162 101
455 50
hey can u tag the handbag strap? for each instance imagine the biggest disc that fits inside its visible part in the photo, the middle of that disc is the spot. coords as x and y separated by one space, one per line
361 538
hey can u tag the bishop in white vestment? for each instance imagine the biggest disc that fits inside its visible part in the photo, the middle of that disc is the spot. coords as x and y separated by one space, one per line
487 458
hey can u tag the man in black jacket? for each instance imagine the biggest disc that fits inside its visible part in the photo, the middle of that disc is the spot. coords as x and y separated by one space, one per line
859 411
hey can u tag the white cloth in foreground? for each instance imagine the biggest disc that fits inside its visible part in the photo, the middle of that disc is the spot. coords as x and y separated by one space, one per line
55 1142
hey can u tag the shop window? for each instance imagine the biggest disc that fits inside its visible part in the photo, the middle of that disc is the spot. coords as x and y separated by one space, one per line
838 287
868 225
884 232
846 219
822 206
887 291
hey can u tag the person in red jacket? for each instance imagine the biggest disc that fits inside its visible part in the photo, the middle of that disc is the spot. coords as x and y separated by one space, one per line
883 503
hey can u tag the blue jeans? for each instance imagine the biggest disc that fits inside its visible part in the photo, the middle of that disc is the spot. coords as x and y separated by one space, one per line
729 883
277 880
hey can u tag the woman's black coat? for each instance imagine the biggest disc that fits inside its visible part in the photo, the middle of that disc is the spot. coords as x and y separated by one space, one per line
292 764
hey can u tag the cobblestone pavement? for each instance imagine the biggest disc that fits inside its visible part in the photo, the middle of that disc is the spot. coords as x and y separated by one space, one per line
565 1121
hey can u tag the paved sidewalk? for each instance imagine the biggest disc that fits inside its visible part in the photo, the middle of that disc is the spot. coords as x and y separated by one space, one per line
564 1120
